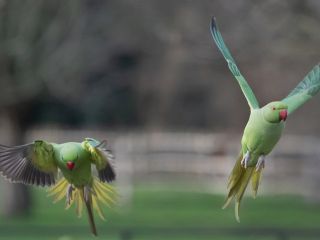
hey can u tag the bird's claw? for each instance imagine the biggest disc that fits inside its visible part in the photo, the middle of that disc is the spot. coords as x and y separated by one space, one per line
261 163
87 191
69 194
245 160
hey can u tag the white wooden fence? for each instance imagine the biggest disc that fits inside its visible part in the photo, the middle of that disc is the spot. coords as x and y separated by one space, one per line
200 161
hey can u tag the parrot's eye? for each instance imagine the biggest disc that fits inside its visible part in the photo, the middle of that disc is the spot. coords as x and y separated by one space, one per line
273 108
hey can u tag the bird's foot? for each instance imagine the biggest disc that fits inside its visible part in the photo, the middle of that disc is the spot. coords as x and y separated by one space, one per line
245 160
261 163
87 191
69 194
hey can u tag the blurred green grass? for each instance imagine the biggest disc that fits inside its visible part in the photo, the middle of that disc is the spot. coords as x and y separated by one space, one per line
157 209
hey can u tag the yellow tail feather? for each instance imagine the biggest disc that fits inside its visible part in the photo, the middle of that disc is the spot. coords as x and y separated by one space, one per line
58 191
79 203
236 173
87 199
255 181
238 182
102 193
240 189
98 209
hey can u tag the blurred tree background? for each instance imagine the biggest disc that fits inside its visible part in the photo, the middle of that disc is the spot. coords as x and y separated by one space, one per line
148 65
151 64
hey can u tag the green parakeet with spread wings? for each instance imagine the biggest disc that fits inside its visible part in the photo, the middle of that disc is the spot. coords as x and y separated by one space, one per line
40 163
264 127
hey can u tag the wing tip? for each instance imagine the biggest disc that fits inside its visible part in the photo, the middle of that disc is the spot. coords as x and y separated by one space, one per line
107 174
213 25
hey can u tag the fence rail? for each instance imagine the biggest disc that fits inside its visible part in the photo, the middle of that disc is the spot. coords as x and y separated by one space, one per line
202 158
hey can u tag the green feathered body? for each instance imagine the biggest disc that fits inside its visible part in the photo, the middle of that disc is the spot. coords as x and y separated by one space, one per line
81 174
260 136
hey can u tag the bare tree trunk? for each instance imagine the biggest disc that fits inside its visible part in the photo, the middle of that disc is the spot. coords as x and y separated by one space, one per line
16 197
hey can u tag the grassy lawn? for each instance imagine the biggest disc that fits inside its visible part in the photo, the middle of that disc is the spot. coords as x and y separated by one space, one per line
165 214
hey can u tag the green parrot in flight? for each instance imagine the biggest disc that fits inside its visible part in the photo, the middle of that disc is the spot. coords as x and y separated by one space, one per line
264 127
41 163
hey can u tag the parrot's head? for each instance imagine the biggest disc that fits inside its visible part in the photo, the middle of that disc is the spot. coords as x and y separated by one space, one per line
69 156
275 112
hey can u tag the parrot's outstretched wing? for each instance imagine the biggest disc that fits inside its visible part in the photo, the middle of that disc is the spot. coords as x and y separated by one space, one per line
305 90
247 91
101 157
31 163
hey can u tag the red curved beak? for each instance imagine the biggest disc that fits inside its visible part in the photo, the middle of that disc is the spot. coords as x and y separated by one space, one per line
283 115
70 165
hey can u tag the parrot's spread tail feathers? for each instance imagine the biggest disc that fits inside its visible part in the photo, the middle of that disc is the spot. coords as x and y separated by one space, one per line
238 182
99 193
